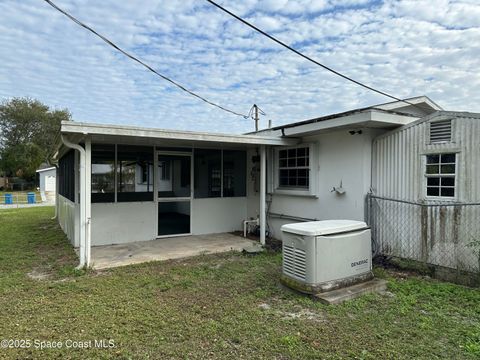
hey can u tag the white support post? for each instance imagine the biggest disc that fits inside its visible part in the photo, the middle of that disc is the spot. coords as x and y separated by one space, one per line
82 199
88 199
263 189
82 210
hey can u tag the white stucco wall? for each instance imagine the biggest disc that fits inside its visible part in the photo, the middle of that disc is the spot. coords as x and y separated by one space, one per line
340 157
119 223
68 218
218 215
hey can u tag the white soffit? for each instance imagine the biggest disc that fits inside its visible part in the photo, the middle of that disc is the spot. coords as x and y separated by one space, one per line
367 118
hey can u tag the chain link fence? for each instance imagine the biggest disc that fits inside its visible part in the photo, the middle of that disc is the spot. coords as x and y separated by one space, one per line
442 235
12 200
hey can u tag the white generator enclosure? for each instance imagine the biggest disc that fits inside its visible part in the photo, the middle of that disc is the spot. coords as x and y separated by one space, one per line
324 255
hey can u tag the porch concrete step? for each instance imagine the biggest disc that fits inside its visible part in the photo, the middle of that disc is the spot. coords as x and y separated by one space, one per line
351 292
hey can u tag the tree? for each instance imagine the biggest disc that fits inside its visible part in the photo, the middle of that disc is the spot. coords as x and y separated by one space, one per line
28 132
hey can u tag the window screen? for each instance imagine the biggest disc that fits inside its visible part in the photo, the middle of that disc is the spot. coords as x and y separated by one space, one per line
294 168
207 175
234 173
440 173
134 173
103 173
174 176
66 176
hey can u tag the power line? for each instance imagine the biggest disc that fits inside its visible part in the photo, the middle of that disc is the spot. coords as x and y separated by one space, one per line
109 42
305 56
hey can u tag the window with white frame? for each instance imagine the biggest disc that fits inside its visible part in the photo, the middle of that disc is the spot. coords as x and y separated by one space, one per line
294 168
440 174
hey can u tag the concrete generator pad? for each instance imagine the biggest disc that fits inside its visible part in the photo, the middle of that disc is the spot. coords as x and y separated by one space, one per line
109 256
351 292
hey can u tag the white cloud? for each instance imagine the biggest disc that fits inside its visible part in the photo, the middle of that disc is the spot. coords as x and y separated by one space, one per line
402 47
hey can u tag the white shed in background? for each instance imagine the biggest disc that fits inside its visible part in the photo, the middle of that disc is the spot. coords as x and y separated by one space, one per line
48 182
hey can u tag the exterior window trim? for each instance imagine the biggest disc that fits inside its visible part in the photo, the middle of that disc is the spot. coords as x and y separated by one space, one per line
454 176
311 191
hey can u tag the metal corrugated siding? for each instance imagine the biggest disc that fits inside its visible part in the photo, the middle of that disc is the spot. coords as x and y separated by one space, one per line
438 235
399 172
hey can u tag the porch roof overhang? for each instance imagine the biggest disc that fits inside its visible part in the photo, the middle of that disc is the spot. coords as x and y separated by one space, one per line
76 131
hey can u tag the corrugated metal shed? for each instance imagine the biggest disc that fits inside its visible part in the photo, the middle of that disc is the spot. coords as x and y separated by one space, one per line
399 158
406 223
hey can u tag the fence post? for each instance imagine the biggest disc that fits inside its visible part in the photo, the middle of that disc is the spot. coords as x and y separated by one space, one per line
371 220
424 221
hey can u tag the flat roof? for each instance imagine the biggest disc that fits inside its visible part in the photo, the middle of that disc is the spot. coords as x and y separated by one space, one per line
386 108
125 132
417 101
361 117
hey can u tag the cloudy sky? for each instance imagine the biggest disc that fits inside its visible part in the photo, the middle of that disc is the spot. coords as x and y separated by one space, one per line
406 48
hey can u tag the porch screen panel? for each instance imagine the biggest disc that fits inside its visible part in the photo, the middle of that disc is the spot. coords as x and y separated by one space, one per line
207 173
234 173
134 173
66 176
103 173
174 176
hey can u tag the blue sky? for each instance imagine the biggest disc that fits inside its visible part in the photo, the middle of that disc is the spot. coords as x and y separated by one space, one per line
406 48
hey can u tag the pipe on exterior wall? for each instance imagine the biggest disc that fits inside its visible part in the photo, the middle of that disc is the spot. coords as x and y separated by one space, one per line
290 217
263 190
83 221
246 223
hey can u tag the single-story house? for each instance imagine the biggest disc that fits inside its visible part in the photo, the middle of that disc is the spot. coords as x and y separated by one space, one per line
47 180
119 184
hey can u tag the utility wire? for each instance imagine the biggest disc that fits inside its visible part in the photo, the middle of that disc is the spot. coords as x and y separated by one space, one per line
305 56
109 42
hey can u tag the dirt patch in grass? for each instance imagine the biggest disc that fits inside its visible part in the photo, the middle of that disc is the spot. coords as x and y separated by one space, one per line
39 274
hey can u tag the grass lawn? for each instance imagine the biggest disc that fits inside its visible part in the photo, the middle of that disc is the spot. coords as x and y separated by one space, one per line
217 307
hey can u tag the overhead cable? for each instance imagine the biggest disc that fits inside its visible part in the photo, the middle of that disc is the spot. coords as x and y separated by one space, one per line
112 44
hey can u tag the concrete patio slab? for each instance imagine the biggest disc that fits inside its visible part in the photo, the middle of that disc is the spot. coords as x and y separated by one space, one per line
110 256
